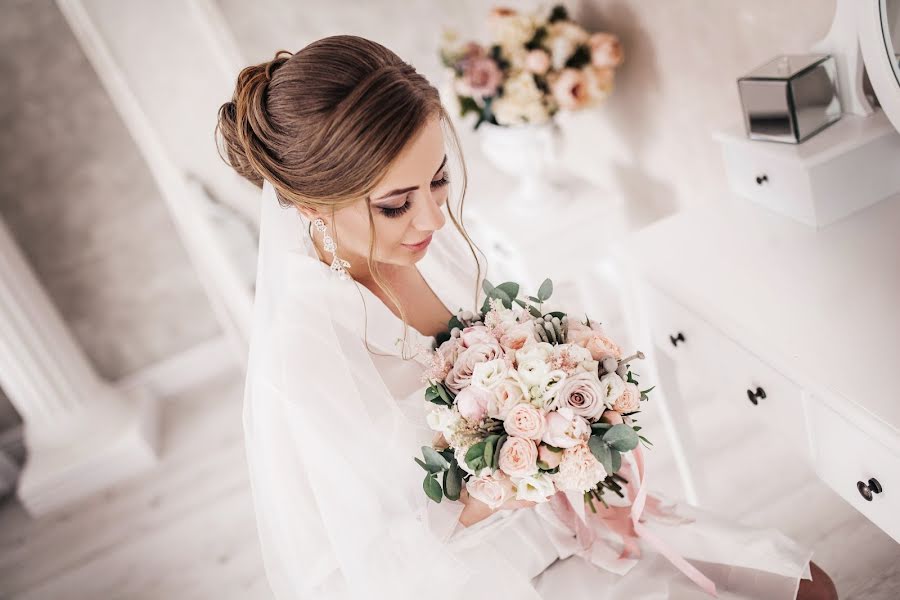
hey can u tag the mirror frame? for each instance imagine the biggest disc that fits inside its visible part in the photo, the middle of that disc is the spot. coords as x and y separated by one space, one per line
877 50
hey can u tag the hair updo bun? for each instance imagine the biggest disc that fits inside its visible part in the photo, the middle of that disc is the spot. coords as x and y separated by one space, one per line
245 114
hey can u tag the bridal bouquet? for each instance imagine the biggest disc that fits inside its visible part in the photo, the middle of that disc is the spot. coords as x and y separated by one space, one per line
533 67
526 403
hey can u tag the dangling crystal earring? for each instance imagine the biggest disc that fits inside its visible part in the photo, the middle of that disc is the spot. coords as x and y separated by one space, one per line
338 265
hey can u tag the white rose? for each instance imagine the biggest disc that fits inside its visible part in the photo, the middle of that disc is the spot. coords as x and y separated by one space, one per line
533 362
489 374
565 429
536 488
613 386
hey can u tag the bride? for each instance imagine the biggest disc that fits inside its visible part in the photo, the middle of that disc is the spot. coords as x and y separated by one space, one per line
358 270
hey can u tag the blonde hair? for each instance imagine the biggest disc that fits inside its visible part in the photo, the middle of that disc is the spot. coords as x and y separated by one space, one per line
324 124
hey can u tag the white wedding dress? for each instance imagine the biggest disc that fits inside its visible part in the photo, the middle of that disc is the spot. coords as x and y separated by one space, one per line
331 431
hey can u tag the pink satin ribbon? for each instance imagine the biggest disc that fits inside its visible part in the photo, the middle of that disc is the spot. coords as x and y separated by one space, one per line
625 521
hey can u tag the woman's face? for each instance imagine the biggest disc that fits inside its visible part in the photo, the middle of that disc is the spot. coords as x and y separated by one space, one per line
406 207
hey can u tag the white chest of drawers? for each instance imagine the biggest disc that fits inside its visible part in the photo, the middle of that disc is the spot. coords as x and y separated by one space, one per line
777 325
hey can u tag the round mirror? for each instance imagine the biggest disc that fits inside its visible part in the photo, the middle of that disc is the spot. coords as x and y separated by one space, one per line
879 40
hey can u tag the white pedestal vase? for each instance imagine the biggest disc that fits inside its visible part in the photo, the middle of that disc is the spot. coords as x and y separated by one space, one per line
81 433
531 153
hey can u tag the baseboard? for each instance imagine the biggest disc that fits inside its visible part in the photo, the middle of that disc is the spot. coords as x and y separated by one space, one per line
163 380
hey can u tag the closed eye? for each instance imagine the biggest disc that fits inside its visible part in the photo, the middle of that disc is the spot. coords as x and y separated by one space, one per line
399 210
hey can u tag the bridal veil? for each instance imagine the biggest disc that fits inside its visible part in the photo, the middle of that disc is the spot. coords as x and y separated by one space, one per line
338 498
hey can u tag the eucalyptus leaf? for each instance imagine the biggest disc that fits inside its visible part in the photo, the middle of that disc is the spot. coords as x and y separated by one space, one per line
435 461
432 488
487 286
545 290
496 459
616 460
489 448
621 437
600 426
445 395
510 287
452 482
601 452
475 457
425 466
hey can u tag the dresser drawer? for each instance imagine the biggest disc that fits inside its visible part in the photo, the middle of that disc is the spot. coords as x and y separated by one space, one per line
712 368
846 459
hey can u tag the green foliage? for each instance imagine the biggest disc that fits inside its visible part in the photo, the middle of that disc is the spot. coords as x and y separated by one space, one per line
621 437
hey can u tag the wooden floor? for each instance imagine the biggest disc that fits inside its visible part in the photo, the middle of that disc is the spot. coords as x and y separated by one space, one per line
187 530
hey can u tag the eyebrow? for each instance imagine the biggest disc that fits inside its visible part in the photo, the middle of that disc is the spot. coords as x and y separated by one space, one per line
399 191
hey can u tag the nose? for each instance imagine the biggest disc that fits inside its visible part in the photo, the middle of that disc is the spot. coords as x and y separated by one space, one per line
430 217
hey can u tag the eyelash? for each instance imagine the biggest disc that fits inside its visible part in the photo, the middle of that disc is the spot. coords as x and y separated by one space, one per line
396 212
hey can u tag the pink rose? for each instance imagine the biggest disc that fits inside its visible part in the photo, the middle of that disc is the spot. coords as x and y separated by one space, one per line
472 402
606 50
583 394
565 428
570 89
579 470
460 375
525 421
476 334
537 61
549 457
493 489
629 400
481 77
518 457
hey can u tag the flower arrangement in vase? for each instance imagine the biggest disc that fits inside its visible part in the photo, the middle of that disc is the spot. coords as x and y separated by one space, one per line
533 68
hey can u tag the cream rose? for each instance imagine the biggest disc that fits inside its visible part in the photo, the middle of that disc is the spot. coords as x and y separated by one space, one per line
606 50
570 89
537 61
629 400
579 470
565 429
442 419
460 375
506 395
524 420
493 489
518 457
583 393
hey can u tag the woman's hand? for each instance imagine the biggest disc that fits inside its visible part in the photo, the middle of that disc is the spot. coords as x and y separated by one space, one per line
475 510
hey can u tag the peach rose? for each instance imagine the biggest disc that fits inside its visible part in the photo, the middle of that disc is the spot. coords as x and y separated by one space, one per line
524 420
629 400
594 339
518 457
565 429
570 89
492 489
549 457
514 336
579 470
537 61
472 402
606 50
582 393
